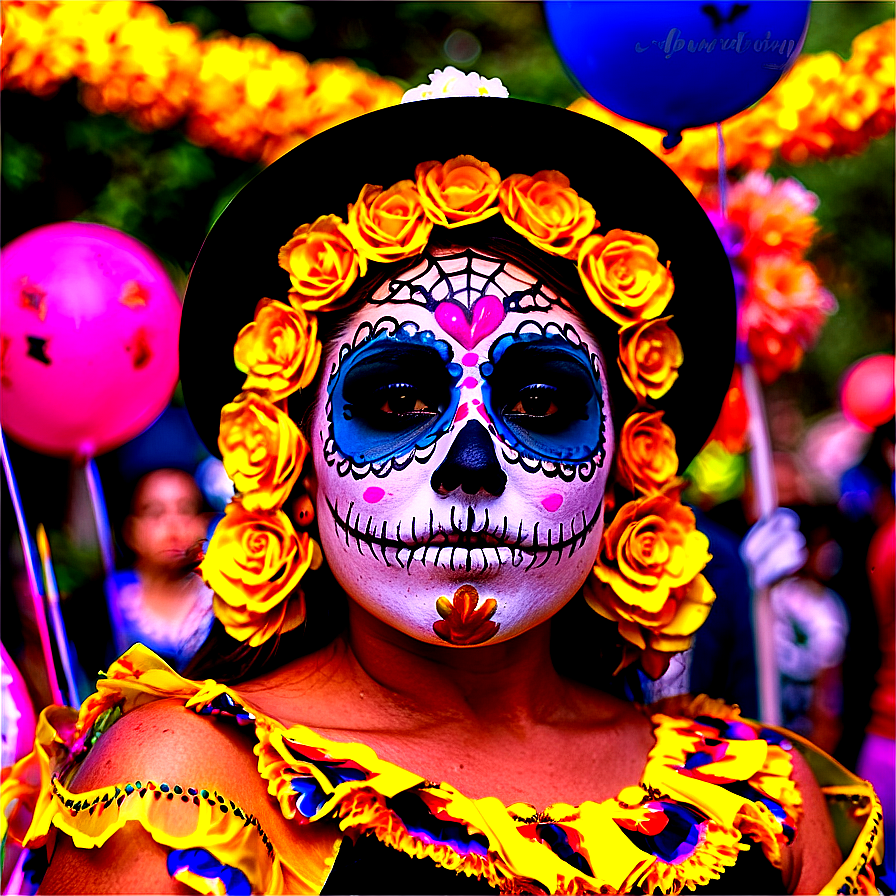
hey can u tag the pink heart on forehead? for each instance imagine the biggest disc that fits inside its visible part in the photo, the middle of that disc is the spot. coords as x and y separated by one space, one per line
486 317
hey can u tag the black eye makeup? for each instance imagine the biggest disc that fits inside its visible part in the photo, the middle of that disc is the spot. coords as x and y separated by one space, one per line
394 393
543 396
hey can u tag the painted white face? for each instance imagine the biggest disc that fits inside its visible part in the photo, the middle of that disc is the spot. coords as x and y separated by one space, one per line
462 445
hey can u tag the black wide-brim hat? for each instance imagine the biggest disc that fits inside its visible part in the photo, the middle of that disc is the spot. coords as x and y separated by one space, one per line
629 187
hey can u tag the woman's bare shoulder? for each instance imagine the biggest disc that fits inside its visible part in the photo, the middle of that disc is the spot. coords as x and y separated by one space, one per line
166 743
163 741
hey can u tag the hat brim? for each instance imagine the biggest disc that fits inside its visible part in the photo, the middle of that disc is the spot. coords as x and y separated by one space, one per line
629 187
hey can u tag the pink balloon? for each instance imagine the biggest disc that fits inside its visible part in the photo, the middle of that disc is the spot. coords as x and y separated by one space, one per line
17 713
89 325
867 391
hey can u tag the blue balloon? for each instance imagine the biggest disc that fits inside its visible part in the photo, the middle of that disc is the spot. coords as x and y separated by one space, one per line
676 64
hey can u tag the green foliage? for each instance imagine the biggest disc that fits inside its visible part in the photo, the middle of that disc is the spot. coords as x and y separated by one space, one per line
290 21
21 163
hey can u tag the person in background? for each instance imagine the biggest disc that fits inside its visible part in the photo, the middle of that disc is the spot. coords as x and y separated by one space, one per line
161 602
156 599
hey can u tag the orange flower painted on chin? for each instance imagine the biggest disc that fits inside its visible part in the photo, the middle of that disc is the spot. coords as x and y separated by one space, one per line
463 622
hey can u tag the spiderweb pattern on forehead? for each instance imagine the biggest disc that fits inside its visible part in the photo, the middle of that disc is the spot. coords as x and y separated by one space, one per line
463 276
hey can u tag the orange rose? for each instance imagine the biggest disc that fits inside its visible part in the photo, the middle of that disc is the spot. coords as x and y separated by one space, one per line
659 635
462 191
254 564
623 277
322 264
279 350
651 547
649 357
389 225
547 211
647 460
263 450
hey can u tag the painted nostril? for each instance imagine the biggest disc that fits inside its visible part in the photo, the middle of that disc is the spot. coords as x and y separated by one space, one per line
471 464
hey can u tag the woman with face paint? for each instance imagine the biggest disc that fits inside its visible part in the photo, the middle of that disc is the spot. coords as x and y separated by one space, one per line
454 419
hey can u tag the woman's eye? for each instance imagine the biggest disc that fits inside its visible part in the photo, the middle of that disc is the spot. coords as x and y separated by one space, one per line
537 400
402 399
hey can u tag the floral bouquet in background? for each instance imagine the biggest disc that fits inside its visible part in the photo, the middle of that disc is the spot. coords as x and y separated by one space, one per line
782 304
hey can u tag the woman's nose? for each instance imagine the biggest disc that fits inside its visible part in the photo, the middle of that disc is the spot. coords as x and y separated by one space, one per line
471 464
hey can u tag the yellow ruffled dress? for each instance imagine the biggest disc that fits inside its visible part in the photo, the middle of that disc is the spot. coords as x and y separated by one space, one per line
716 789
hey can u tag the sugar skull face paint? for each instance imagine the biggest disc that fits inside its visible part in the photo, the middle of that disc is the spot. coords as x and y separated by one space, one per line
462 446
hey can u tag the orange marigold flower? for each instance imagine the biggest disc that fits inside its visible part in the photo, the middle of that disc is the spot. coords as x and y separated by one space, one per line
262 449
462 191
254 564
279 350
646 461
651 547
547 211
786 296
649 358
775 216
623 277
389 225
322 264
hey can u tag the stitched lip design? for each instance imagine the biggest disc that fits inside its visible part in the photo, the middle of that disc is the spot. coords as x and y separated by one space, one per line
457 544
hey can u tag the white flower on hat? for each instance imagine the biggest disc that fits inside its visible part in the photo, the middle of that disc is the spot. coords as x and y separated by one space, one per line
453 82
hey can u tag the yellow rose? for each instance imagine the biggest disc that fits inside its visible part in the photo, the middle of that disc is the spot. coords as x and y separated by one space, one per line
462 191
660 635
322 264
623 277
262 449
547 211
651 547
279 351
649 357
254 564
389 225
646 460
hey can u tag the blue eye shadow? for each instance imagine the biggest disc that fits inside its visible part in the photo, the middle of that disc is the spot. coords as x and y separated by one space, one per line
575 434
413 358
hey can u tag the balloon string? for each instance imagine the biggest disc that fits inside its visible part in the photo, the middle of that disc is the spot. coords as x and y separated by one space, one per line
31 567
104 536
100 516
52 591
723 173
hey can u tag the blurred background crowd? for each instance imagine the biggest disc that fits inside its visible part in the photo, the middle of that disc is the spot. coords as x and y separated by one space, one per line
148 117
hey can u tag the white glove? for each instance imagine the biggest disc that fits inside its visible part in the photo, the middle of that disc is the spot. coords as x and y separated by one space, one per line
774 547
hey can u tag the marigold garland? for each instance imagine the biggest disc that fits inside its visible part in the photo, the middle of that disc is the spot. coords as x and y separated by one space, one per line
246 98
242 97
621 275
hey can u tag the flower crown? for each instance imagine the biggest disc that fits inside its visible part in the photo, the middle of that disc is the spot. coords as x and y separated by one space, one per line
647 574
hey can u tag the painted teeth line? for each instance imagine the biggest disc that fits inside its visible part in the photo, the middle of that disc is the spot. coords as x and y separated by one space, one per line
374 537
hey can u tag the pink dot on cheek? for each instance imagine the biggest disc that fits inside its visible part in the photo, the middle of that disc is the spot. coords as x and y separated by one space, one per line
552 502
373 494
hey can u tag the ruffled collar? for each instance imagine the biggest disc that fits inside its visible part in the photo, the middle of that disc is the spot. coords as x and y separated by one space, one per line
711 783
